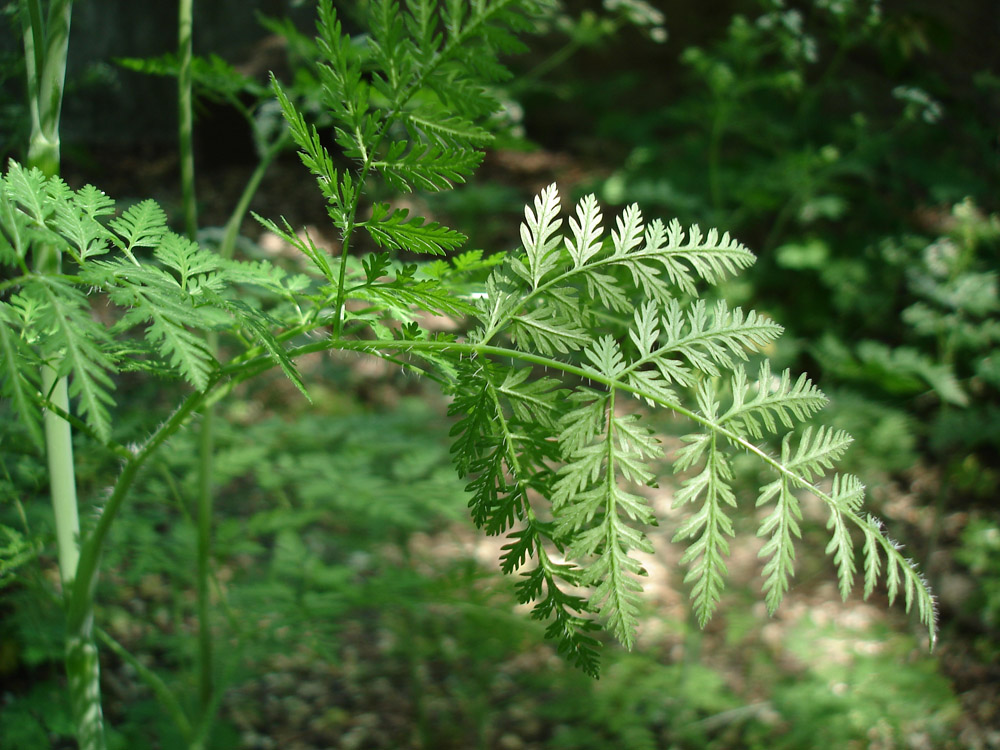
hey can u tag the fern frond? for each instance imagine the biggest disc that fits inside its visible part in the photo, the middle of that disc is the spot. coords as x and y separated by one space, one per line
432 167
781 524
544 300
186 258
72 342
306 246
29 188
390 48
533 400
716 342
314 154
401 296
448 132
781 401
593 509
549 330
153 296
505 455
847 494
538 234
259 326
708 527
817 451
19 374
76 220
142 225
396 232
916 590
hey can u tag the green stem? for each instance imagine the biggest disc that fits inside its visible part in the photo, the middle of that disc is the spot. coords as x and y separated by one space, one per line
45 48
185 117
206 682
90 551
153 680
228 246
117 448
206 686
62 483
714 153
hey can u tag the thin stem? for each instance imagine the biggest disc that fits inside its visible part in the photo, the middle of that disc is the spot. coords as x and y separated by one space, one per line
153 680
93 544
206 683
185 117
228 246
206 466
714 153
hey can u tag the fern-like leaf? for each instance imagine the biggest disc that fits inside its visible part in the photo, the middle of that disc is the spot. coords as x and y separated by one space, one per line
538 236
545 300
74 343
779 400
708 527
414 235
142 225
18 374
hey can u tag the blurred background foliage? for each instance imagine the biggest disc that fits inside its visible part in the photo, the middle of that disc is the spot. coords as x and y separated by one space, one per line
852 144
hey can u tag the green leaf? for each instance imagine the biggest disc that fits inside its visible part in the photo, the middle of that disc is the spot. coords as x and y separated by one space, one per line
19 374
447 131
74 343
186 258
153 296
76 220
781 525
549 330
142 225
538 234
587 232
258 325
414 235
431 167
708 527
847 494
775 400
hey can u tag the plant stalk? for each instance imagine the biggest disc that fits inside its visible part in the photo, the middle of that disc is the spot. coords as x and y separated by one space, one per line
203 513
185 118
46 42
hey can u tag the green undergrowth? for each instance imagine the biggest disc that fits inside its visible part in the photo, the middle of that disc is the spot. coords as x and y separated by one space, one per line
347 589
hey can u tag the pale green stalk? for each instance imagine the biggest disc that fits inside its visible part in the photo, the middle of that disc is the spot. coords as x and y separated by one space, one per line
46 41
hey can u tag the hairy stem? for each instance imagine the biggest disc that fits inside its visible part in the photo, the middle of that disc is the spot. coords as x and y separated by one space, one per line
93 544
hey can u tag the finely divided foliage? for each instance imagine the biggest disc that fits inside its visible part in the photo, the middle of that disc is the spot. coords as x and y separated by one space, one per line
546 300
176 296
549 404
